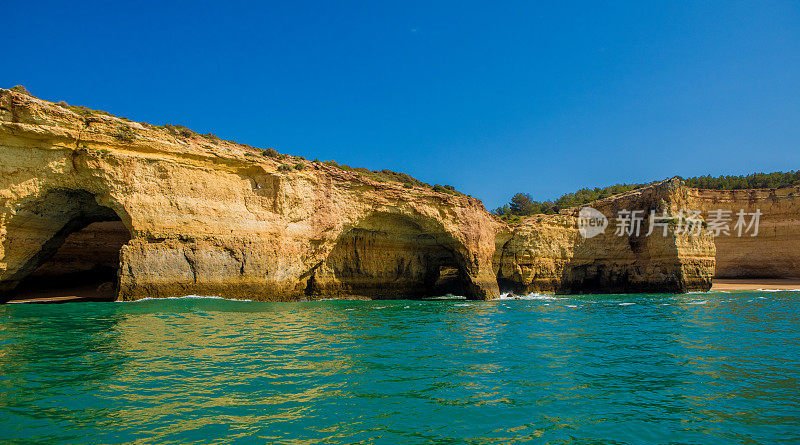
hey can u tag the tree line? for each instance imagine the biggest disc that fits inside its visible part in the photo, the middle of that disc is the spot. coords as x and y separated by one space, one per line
523 204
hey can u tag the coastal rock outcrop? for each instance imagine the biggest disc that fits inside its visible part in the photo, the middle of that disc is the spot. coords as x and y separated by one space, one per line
211 217
547 253
136 210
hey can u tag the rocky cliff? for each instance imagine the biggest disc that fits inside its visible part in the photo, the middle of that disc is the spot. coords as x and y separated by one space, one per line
85 195
771 252
547 252
205 216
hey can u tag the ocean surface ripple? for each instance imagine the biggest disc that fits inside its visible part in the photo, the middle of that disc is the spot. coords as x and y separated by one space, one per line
697 368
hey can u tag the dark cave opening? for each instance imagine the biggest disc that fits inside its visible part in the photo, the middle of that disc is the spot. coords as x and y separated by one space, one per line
80 259
391 257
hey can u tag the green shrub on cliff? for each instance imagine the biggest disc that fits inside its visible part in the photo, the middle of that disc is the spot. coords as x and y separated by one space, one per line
180 130
125 134
86 112
386 175
449 189
20 89
523 204
752 181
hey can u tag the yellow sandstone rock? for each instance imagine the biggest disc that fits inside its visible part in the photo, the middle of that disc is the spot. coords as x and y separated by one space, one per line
774 251
160 211
546 253
211 217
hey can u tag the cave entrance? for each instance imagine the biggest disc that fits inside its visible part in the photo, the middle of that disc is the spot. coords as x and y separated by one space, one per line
67 245
392 257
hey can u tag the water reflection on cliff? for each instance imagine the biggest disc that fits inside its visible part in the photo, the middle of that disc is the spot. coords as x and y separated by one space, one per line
697 368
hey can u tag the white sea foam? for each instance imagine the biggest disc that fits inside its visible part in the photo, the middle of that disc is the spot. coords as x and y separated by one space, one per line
711 292
185 297
531 296
626 304
447 297
698 302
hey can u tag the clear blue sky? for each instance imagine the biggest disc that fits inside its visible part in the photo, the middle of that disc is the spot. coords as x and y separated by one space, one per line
493 98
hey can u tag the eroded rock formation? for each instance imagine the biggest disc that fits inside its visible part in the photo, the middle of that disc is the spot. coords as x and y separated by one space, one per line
391 256
547 252
185 214
211 217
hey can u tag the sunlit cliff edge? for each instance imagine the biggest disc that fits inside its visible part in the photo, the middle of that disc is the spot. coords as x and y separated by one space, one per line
143 211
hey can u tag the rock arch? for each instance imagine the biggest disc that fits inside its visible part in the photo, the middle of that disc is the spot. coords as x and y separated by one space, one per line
387 256
63 242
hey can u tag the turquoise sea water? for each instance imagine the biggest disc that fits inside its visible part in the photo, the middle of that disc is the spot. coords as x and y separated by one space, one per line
698 368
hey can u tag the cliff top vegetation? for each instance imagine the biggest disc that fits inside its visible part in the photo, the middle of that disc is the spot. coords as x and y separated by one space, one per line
523 204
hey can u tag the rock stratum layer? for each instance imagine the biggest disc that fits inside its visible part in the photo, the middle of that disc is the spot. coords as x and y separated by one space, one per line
774 251
143 211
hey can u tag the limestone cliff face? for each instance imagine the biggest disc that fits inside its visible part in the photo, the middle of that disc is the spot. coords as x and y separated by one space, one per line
212 217
774 252
173 213
547 253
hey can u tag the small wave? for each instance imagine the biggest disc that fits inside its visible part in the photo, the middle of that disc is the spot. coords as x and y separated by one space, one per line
446 297
698 302
572 305
626 304
776 290
185 297
530 296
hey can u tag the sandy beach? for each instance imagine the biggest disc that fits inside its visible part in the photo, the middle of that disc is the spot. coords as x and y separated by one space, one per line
754 284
